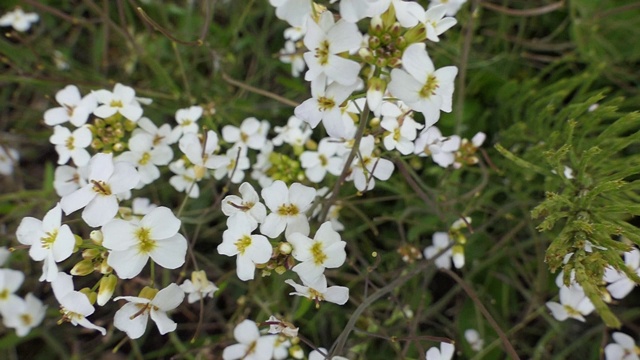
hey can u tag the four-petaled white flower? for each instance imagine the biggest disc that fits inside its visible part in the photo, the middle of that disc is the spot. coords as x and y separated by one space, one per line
422 87
473 338
25 314
288 208
10 282
187 120
49 240
99 196
324 105
199 287
401 129
248 207
251 345
74 305
325 40
121 100
71 145
444 353
317 291
132 243
74 108
251 134
366 167
67 179
249 249
441 241
623 348
441 149
435 22
146 157
318 163
19 20
133 317
573 304
619 283
326 250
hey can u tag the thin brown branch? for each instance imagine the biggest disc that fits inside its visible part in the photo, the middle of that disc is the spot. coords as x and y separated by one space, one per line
474 297
258 91
524 12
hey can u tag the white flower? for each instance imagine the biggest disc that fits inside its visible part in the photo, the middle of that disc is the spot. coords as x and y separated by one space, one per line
72 145
473 338
435 21
99 197
325 40
132 243
317 163
619 283
295 12
452 6
295 133
440 242
324 105
162 136
623 348
277 326
250 249
185 179
444 353
19 20
321 354
441 149
251 345
25 314
8 157
187 120
401 131
248 207
74 305
199 287
74 108
67 179
573 304
326 250
201 155
10 282
288 208
122 100
317 291
132 318
251 134
142 206
146 157
290 55
233 163
422 87
49 240
366 167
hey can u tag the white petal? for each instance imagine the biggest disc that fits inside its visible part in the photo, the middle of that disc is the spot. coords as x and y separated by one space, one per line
126 320
161 222
170 253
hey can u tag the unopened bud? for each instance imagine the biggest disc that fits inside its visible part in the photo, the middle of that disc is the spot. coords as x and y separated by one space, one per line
375 25
96 237
374 42
106 288
82 268
285 248
148 293
91 295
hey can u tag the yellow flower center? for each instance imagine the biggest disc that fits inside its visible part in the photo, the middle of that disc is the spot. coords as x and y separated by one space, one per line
243 243
69 143
4 294
26 319
115 103
145 243
288 210
145 159
319 256
325 103
101 187
322 52
429 87
48 240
